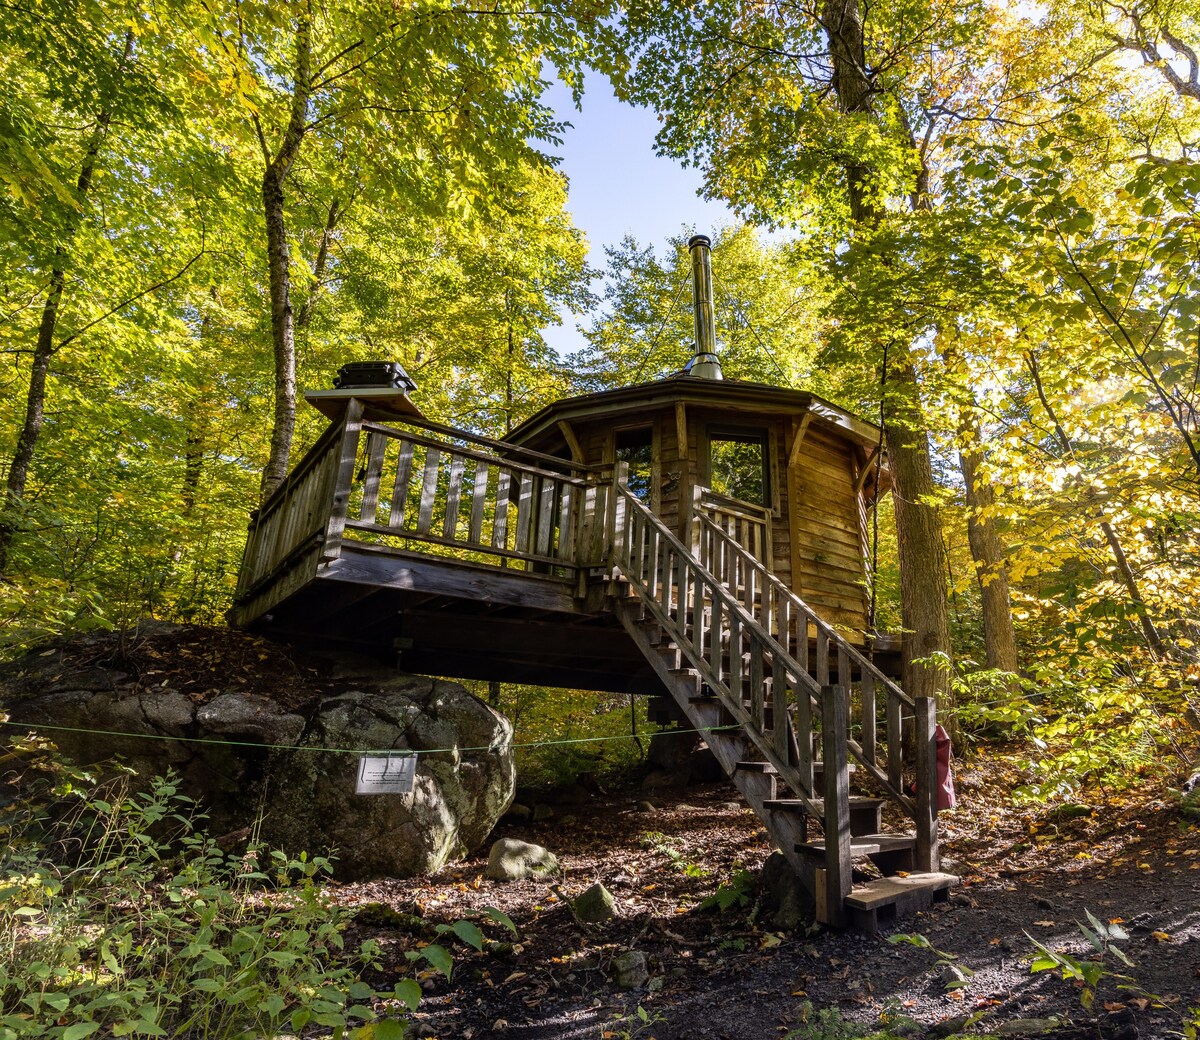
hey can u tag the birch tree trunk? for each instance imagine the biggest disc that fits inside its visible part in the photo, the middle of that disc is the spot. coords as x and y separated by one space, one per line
283 325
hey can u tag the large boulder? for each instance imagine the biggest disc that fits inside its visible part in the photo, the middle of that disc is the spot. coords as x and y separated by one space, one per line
254 728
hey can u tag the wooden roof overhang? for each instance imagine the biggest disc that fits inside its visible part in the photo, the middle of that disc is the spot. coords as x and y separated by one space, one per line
738 397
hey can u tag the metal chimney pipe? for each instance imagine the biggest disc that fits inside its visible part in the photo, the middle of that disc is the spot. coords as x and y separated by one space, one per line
705 364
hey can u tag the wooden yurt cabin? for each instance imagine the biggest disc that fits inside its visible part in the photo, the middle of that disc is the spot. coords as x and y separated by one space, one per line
791 475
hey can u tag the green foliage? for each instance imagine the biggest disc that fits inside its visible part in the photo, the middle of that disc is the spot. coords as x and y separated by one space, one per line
767 314
944 959
553 728
675 853
1088 973
636 1024
825 1024
737 892
121 916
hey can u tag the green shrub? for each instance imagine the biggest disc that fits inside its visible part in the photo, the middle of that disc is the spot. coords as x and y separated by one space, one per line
118 916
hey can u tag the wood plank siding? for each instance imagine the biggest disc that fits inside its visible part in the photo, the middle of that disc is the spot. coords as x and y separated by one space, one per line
826 529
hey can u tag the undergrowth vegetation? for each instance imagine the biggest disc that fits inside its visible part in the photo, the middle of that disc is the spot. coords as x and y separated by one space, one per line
120 916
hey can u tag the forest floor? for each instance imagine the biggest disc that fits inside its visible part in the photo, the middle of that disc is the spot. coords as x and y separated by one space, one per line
727 976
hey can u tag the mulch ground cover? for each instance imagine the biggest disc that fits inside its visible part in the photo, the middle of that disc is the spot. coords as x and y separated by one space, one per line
1025 875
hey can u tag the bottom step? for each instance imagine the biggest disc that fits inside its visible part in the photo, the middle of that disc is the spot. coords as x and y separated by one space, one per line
890 897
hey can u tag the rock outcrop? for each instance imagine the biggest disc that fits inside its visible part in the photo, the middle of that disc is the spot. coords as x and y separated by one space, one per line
253 728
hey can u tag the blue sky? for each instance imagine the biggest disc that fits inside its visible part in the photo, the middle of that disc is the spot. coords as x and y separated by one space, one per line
618 185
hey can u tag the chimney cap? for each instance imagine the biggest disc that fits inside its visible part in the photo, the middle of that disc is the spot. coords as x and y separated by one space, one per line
699 240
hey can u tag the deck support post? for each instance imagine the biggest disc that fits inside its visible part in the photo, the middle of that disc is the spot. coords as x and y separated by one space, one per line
927 857
833 883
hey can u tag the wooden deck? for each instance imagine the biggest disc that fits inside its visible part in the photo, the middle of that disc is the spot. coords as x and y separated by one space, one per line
479 559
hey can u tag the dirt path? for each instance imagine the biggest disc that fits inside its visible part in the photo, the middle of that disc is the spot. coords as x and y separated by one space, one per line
718 975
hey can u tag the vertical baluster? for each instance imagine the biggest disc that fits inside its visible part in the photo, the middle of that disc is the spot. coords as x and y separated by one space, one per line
804 734
714 637
478 501
843 665
664 581
566 530
376 446
682 598
867 693
400 486
757 693
895 744
453 495
800 624
500 520
779 710
433 461
822 657
545 522
585 524
701 632
735 658
652 576
524 512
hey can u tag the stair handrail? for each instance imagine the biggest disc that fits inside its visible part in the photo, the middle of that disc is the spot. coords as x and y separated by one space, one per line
890 781
769 577
626 505
624 501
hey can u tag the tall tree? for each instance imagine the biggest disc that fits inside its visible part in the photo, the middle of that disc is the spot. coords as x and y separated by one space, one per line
432 106
803 113
94 86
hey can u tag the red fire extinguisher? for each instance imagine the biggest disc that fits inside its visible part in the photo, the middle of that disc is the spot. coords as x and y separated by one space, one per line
945 778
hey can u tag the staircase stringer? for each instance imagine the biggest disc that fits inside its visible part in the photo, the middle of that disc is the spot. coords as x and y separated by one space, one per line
723 695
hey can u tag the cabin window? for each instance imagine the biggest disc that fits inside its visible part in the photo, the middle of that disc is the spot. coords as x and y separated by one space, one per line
737 465
636 447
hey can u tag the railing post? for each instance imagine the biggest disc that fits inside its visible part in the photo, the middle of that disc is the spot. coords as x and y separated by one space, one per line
834 881
616 512
340 504
692 535
928 857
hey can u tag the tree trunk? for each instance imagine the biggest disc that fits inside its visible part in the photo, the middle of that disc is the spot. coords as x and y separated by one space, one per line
44 349
283 328
923 594
918 528
1124 571
987 554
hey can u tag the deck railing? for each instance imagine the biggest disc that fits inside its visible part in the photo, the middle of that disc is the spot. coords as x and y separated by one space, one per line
418 486
460 497
747 524
294 518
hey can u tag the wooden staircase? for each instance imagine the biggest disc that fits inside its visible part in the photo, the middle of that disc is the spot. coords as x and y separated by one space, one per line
731 644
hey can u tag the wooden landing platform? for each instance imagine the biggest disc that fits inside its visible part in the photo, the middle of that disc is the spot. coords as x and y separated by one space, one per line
446 617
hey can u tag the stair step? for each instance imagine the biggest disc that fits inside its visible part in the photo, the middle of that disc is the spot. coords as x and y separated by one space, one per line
889 890
766 767
856 802
865 845
756 767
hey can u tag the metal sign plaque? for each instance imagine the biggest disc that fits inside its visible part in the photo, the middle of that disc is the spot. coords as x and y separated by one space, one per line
386 774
